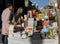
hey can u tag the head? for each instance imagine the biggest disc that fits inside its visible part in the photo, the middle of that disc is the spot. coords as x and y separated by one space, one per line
20 10
10 6
59 7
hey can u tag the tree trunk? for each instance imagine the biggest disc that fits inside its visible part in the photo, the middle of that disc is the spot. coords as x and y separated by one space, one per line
58 19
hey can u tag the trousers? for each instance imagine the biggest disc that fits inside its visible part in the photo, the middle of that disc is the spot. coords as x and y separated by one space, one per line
5 39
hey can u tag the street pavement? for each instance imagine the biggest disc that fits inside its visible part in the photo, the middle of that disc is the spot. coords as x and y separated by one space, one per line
0 39
35 40
46 41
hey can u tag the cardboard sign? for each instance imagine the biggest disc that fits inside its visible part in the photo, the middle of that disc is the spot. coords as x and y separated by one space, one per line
30 22
30 29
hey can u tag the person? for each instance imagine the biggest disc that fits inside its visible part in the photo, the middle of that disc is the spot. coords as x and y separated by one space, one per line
45 32
19 20
37 15
5 23
46 23
18 15
51 17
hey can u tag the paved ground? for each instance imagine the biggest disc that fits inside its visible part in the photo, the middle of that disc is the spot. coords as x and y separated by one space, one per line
35 40
46 41
0 39
0 36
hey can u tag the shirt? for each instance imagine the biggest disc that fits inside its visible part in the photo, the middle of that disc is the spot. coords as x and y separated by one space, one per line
5 19
45 30
5 15
46 23
17 16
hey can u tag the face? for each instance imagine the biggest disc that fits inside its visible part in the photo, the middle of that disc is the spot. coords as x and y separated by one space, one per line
11 8
21 10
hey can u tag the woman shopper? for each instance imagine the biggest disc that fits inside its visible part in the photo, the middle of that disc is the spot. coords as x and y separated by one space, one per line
19 20
18 15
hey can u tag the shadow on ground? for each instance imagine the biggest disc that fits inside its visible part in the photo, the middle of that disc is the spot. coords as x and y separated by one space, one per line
36 39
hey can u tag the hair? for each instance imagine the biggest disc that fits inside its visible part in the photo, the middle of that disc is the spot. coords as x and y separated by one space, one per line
19 10
10 5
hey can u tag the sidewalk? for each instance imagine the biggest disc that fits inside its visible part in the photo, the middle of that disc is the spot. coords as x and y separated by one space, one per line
0 38
46 41
35 40
24 41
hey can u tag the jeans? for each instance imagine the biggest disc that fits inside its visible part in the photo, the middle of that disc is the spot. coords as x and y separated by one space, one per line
5 39
46 34
51 21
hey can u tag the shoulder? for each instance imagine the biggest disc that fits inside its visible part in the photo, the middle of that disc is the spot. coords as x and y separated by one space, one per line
6 10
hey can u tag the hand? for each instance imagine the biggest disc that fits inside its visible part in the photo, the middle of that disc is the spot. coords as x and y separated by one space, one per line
7 31
11 23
